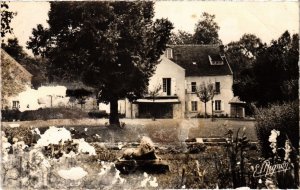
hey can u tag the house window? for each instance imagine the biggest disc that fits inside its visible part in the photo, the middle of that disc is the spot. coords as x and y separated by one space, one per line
16 104
193 86
194 106
217 88
218 105
169 53
167 86
215 61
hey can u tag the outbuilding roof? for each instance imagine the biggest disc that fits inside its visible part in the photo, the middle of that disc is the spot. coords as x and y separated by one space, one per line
7 59
198 60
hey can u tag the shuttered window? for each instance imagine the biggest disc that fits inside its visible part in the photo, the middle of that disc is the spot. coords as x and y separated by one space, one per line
194 105
218 105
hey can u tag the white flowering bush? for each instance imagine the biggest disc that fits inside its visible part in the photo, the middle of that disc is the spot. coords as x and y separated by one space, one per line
281 175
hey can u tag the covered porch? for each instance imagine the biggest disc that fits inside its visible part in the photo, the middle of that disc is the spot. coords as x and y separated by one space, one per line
158 107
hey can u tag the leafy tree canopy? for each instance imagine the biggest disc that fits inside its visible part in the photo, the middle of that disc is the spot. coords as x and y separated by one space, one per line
181 37
205 93
111 46
241 54
206 31
6 18
13 48
274 75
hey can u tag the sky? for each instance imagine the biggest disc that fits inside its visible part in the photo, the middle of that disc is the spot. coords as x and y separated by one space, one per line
266 19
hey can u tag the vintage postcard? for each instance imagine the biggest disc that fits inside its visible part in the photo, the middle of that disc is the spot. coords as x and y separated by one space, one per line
149 95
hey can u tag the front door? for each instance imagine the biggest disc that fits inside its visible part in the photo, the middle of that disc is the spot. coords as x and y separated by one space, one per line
167 86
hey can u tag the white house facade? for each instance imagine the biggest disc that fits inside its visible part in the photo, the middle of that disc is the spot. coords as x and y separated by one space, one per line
221 99
205 64
183 68
166 97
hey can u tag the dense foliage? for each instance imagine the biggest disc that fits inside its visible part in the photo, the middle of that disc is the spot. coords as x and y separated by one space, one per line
206 32
6 18
112 46
273 74
242 54
284 118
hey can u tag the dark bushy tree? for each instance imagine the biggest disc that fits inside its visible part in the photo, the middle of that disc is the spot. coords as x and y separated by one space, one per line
206 31
274 74
13 48
111 46
275 69
242 54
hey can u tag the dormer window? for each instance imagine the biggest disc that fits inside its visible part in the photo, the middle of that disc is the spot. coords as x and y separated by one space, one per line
169 53
215 60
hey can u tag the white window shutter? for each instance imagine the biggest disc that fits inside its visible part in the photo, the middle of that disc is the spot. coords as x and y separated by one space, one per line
222 105
173 86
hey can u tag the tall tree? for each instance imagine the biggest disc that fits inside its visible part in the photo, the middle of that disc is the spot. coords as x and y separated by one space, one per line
6 18
205 92
181 37
274 75
206 31
111 46
241 54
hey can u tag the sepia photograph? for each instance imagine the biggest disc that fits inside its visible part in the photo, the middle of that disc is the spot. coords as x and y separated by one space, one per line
149 95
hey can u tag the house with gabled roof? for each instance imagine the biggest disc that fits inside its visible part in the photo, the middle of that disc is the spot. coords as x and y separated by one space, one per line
205 64
172 88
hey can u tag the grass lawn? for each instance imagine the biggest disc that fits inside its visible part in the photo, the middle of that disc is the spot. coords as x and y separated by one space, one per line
200 170
160 131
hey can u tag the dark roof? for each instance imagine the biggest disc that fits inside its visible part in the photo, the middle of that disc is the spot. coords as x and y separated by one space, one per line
7 59
185 55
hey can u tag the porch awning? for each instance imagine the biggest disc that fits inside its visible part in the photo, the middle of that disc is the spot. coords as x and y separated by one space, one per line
157 101
236 100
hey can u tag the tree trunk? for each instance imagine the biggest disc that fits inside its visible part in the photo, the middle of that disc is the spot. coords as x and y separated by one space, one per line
212 110
114 116
131 110
205 114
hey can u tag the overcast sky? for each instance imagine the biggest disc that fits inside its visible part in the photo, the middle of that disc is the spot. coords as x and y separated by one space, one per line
267 20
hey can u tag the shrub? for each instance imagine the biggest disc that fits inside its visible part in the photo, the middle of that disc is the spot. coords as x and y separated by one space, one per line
23 134
10 115
98 114
282 117
52 113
